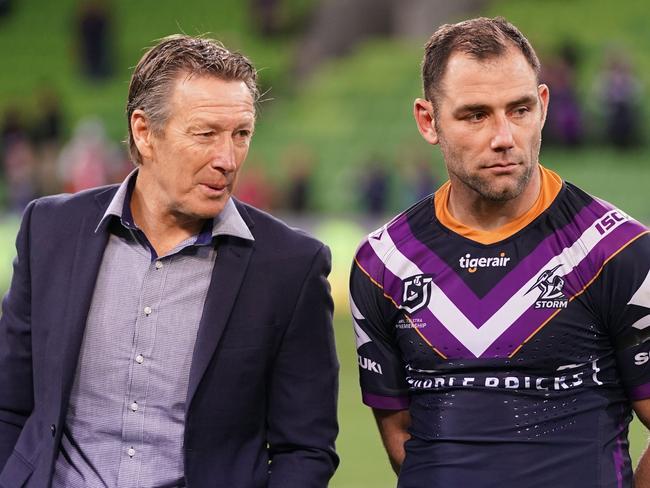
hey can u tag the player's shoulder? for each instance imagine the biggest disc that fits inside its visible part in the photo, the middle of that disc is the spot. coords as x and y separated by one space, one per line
397 231
586 207
275 235
374 253
626 238
575 203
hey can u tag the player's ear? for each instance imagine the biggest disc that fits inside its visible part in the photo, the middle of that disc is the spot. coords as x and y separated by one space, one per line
544 96
142 133
423 113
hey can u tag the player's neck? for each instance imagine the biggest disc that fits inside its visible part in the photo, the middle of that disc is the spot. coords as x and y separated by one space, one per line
477 212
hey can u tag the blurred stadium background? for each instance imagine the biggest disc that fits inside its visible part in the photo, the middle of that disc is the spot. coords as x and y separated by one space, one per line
335 150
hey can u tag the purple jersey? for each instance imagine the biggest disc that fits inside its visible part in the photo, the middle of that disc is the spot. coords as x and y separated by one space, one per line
518 359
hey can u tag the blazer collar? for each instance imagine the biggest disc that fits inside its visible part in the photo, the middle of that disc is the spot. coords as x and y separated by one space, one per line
233 258
87 249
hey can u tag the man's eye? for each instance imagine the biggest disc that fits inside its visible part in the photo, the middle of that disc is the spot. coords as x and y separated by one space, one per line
476 117
245 134
520 111
208 133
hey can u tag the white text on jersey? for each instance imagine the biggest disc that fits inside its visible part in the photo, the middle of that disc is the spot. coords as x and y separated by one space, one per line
472 264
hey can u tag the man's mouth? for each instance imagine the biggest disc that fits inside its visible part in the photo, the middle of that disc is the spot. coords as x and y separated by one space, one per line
215 187
504 164
501 166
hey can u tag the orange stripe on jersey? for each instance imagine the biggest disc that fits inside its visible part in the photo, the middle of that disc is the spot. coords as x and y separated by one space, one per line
550 187
439 353
607 261
372 280
378 285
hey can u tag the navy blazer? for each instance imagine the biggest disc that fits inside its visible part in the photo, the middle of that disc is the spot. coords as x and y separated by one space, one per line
261 401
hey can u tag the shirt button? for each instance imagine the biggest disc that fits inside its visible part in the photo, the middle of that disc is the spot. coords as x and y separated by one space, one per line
158 265
147 310
139 359
131 452
134 407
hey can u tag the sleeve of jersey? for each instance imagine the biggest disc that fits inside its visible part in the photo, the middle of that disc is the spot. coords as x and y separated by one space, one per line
381 369
627 304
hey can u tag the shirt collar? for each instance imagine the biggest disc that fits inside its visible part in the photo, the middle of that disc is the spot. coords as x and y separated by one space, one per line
230 222
227 222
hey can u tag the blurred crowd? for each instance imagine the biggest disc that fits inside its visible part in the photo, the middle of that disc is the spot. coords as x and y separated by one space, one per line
36 160
606 110
44 154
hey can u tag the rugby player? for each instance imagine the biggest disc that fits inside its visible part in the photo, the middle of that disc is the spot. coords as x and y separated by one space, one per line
502 322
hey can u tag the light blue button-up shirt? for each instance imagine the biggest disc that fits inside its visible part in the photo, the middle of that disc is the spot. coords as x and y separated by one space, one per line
125 421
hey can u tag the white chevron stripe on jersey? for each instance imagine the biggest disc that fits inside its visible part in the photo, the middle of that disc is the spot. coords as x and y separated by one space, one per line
642 323
360 336
642 296
642 299
478 337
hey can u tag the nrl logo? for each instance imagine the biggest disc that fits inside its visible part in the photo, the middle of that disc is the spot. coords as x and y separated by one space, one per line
417 292
550 286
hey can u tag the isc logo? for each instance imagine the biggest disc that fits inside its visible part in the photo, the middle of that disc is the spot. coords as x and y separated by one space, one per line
609 221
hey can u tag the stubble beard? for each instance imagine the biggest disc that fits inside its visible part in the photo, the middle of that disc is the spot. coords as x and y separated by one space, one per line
486 186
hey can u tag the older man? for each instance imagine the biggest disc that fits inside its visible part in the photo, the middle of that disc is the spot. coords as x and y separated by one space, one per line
502 322
160 333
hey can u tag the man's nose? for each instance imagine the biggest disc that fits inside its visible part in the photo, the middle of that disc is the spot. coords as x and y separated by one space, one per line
502 139
223 154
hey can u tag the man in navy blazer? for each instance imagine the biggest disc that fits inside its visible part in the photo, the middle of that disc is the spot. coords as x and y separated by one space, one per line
160 333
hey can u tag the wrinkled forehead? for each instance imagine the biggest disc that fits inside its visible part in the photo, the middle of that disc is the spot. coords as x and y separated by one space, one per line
200 90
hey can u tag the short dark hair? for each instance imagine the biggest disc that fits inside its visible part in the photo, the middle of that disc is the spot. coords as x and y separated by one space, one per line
155 73
482 38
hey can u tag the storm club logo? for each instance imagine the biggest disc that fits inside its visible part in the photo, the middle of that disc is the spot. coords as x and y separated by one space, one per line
550 286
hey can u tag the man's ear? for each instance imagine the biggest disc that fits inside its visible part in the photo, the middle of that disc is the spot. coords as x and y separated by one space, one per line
423 113
544 97
142 133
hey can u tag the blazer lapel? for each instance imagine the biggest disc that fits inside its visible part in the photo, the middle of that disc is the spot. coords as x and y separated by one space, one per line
233 256
88 252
